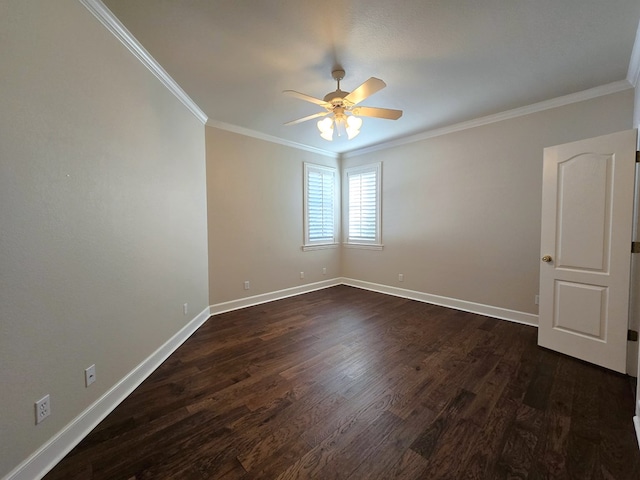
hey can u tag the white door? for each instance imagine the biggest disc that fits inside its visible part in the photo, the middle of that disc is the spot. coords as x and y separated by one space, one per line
587 215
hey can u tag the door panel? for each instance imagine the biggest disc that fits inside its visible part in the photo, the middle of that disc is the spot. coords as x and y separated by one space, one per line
587 208
584 203
581 309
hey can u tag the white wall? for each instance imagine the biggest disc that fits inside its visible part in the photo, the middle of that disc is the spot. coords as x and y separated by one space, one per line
461 212
255 207
102 216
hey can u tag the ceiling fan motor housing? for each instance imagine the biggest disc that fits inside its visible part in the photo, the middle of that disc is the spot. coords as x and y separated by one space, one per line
335 98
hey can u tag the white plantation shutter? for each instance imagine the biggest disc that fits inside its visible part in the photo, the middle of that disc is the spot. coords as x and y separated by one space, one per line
364 204
320 205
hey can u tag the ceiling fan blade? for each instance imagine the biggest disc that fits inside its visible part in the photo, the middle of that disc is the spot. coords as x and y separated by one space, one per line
304 119
387 113
307 98
365 90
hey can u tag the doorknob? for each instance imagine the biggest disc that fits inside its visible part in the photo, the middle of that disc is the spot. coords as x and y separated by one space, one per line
546 258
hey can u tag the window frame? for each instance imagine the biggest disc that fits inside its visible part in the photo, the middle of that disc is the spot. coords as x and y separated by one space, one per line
375 244
325 242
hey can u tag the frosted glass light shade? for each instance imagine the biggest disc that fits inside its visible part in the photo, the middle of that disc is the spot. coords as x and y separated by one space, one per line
351 133
328 135
326 124
353 126
326 128
354 122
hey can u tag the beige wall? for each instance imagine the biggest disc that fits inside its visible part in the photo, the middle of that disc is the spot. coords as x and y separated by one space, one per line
103 213
461 212
102 216
256 220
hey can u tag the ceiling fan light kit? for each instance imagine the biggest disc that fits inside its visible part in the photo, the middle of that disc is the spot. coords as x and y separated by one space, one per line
326 128
341 110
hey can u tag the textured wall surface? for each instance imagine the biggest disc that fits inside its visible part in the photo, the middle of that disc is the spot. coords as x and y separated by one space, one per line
255 207
461 212
103 232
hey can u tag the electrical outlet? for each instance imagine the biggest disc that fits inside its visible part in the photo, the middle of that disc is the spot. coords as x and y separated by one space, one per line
401 277
301 275
89 375
246 285
185 308
43 408
324 270
537 299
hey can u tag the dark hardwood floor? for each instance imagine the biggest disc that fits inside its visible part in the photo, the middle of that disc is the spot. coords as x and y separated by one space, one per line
349 384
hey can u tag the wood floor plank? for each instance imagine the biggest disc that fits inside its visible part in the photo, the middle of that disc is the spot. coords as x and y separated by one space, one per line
344 430
361 448
421 377
551 450
480 463
360 410
302 417
488 393
517 456
411 466
345 383
393 447
429 442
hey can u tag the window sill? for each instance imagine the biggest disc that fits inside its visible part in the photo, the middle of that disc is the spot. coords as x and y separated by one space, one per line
319 246
365 246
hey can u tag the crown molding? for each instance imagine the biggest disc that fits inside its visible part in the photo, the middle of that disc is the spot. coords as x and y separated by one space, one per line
589 94
633 75
269 138
109 20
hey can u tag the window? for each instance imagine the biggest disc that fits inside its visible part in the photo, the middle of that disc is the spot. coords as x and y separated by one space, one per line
320 207
363 194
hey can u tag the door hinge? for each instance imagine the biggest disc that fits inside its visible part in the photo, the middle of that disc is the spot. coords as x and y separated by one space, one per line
635 247
637 157
632 335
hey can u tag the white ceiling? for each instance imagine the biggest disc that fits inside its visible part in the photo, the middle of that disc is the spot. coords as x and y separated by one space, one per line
444 61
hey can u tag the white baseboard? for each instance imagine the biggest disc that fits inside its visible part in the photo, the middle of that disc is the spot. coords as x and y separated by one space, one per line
46 457
487 310
479 308
219 308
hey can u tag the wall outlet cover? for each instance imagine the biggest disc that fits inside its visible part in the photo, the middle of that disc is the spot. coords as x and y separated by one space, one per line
89 375
43 408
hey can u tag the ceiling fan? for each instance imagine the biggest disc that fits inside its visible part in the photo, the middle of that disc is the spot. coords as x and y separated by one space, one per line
342 110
